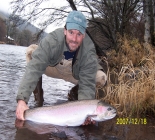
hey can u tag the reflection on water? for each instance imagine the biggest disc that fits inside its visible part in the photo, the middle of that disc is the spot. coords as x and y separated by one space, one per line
12 67
56 132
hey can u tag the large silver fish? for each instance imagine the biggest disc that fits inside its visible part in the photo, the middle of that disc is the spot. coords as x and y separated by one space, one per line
71 113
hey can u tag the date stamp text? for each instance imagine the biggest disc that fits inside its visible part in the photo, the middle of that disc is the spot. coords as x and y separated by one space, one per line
136 121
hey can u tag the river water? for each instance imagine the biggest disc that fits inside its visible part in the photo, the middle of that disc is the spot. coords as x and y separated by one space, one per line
12 67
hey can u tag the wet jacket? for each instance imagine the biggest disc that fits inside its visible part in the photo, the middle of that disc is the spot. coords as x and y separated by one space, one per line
50 53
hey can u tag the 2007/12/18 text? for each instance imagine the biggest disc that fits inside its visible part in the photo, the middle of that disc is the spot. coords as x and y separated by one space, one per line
135 121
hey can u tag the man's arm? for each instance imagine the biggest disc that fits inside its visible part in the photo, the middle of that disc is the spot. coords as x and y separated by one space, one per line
35 68
87 75
88 70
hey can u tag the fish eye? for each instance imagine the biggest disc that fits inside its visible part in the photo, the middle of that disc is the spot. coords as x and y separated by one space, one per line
109 109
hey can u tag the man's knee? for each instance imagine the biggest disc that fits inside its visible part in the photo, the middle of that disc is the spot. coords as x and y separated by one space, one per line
101 78
29 51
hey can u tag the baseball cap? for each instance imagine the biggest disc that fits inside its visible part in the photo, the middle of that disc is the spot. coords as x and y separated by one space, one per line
76 20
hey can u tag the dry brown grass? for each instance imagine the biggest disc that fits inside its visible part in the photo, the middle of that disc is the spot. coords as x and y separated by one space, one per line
134 91
128 50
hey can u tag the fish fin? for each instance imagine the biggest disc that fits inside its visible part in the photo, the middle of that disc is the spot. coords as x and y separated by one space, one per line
91 116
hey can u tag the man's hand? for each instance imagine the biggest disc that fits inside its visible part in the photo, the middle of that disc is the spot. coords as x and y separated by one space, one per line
88 121
21 107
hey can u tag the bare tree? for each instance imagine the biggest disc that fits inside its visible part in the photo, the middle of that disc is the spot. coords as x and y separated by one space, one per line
152 21
153 3
34 11
11 27
149 21
112 18
24 38
2 30
147 35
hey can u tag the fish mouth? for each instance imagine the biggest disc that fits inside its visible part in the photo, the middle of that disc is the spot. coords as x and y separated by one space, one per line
110 117
112 114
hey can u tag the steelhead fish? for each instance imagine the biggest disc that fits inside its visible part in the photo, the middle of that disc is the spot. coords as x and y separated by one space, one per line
71 113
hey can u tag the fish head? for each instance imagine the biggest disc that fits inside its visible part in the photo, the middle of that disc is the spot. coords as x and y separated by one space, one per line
104 112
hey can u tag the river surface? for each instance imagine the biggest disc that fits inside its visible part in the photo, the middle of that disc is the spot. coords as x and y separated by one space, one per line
12 68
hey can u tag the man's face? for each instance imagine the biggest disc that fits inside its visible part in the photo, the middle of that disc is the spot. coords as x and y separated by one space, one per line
73 39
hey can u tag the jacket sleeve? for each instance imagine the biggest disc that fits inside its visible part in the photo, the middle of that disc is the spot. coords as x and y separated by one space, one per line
87 74
35 68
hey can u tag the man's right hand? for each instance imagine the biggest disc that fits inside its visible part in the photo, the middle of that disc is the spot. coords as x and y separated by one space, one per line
21 107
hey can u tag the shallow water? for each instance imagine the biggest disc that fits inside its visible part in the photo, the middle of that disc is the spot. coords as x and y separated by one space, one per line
12 67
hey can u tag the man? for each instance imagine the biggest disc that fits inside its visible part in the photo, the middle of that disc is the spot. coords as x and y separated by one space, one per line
68 54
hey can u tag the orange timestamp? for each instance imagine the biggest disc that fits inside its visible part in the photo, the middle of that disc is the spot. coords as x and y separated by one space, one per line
136 121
